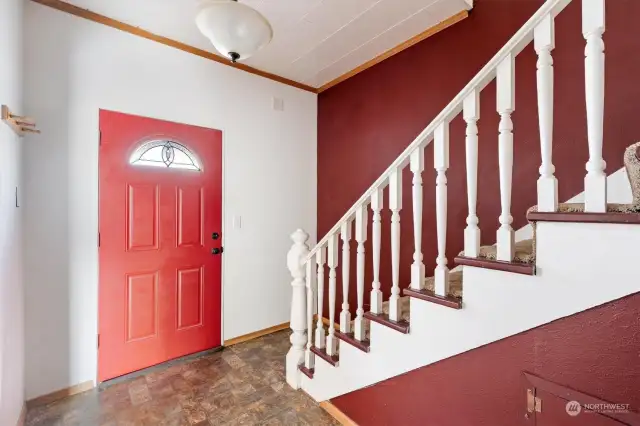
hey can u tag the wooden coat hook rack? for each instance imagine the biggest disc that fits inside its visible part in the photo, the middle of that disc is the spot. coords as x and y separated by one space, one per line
20 125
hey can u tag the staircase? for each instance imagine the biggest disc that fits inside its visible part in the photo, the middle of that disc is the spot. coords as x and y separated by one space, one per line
580 256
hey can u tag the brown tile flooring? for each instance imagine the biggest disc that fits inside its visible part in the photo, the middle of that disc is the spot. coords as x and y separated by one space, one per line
242 385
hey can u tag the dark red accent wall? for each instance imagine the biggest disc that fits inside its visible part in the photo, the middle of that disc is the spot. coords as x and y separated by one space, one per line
595 351
365 122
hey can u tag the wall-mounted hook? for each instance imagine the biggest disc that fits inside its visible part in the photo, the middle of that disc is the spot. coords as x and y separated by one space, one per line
20 125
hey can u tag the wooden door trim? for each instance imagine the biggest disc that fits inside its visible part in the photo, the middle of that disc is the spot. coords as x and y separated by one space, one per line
629 418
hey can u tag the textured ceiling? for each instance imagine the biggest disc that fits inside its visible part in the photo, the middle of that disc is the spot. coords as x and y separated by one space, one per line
315 41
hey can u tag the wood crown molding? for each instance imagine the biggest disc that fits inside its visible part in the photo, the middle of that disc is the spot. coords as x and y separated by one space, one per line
59 394
113 23
399 48
337 414
256 334
74 10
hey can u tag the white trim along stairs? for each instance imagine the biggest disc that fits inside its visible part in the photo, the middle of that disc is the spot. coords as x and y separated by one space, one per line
561 265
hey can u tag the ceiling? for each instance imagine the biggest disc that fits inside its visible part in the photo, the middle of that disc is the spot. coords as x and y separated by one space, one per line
315 41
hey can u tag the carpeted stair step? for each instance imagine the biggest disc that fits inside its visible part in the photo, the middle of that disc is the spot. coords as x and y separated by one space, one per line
452 300
523 262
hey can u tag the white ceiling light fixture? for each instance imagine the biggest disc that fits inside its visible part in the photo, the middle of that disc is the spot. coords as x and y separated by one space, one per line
236 30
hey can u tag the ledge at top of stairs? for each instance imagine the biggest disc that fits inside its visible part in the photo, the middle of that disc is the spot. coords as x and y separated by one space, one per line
584 217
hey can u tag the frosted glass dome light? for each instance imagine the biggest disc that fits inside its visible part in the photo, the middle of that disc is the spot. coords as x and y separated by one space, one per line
236 30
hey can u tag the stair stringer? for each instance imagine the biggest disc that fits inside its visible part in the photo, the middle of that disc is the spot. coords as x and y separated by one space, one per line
579 266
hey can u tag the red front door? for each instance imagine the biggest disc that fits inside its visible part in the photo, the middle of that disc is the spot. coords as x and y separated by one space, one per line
160 219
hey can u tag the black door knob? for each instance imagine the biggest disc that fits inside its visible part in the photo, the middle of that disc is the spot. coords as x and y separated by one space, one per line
215 236
216 250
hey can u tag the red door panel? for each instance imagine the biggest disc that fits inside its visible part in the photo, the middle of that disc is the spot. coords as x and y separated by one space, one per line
160 285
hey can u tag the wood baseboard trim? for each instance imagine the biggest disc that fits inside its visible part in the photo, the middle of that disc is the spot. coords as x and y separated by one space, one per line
399 48
74 10
256 334
337 414
60 394
23 416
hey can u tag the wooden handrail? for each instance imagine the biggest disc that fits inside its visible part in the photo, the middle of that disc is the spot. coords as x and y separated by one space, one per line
514 46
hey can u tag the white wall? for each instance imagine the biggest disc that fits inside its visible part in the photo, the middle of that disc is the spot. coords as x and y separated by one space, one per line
11 287
74 68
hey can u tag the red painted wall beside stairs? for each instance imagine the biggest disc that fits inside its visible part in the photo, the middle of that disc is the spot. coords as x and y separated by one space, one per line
595 351
367 121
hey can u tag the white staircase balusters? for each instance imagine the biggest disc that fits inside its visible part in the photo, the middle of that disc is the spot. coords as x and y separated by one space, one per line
471 114
506 105
361 238
441 164
309 357
298 324
332 260
417 268
544 43
345 315
377 201
595 182
321 259
395 205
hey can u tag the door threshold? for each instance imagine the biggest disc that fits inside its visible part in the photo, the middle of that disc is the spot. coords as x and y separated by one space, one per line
134 375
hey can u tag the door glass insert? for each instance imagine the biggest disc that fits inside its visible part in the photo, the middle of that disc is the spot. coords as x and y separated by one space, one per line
165 153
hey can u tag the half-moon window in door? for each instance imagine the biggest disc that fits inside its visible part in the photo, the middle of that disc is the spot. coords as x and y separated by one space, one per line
165 153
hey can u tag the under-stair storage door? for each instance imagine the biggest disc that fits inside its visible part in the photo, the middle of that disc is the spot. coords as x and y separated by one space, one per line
556 411
160 218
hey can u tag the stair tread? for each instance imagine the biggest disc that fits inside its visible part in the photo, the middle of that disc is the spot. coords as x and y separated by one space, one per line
579 208
524 252
322 353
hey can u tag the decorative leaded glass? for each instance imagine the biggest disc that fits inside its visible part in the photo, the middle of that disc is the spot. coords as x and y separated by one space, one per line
165 153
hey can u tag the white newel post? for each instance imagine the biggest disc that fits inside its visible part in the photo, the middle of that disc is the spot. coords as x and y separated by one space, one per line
417 268
332 255
345 315
321 259
471 115
295 259
377 200
506 106
544 43
395 205
361 237
441 164
595 182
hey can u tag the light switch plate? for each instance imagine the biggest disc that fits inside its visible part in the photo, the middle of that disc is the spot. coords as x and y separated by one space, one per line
237 222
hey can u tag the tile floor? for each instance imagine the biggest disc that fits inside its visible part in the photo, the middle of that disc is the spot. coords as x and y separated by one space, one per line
242 385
